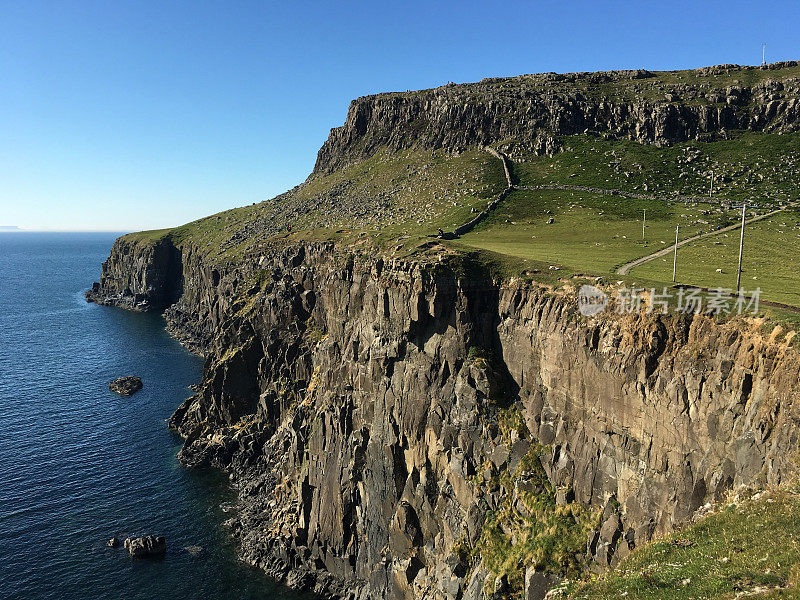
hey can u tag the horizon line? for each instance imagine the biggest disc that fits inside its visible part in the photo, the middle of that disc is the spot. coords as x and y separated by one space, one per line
46 230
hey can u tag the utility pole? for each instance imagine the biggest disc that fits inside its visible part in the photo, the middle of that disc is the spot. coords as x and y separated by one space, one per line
675 258
741 248
644 220
745 206
711 190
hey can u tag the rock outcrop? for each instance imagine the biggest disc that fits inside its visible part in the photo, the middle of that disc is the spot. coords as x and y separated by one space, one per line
139 275
362 407
148 546
125 386
533 110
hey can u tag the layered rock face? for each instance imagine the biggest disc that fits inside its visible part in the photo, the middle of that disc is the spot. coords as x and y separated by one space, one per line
362 406
533 109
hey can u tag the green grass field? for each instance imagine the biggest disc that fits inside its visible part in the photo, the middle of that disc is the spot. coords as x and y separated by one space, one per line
771 260
595 234
590 233
749 548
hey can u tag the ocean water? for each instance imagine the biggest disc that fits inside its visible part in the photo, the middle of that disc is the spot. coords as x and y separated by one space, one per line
79 464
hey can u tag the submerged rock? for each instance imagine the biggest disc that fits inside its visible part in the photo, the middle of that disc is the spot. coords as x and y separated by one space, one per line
125 386
145 546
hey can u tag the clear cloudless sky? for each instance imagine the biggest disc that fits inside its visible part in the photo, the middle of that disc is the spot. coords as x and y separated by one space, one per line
124 115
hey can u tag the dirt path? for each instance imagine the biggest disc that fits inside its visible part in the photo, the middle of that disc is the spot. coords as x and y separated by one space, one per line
623 270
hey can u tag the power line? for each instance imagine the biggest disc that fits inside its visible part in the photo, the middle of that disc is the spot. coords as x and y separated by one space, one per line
644 221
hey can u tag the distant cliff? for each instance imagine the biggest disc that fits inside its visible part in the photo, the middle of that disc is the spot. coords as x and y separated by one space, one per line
531 110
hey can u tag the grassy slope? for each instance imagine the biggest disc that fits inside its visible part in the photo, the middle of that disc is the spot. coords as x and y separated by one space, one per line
749 546
384 198
750 166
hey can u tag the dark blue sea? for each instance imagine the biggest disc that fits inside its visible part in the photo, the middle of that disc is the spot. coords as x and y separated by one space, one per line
79 464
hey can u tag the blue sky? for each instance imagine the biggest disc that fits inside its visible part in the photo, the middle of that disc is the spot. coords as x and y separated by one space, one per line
135 115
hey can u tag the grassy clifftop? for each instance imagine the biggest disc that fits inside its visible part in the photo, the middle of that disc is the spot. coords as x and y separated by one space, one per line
628 85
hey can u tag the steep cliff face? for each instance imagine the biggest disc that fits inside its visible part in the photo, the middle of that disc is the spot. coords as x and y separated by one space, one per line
532 110
140 276
380 417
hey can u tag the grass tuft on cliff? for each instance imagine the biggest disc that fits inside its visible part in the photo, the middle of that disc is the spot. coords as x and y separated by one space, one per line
530 529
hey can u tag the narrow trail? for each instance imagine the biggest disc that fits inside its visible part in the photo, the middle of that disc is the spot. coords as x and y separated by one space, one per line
623 270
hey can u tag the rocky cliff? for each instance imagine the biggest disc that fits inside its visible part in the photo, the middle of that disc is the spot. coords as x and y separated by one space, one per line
385 420
140 276
418 428
531 111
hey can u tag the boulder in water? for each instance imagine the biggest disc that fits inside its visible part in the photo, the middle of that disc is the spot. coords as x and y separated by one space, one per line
125 386
145 546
